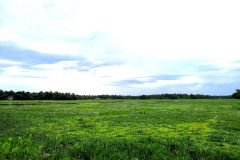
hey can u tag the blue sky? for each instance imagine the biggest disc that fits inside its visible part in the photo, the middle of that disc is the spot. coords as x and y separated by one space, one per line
120 47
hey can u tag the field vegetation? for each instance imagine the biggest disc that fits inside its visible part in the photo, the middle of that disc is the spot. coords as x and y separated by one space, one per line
120 129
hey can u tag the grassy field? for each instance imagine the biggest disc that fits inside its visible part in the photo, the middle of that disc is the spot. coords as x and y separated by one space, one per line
120 129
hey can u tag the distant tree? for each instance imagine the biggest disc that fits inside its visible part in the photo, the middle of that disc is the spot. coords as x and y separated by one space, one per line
22 95
236 94
143 97
3 95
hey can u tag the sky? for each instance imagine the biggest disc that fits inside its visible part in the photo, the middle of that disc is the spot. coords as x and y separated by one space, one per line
129 47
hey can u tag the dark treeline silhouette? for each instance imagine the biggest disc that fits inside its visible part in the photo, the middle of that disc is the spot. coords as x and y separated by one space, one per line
22 95
236 94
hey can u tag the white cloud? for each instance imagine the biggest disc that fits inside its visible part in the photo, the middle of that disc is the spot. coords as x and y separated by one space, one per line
172 29
9 62
152 37
55 77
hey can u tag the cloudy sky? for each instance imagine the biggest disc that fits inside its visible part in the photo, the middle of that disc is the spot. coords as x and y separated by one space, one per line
120 46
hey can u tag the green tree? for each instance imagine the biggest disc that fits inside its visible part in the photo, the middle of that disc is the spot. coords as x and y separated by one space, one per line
236 94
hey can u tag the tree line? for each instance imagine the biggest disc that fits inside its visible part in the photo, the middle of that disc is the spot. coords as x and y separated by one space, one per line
236 94
22 95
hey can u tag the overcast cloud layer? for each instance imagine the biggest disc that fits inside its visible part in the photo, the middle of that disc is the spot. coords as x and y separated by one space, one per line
120 47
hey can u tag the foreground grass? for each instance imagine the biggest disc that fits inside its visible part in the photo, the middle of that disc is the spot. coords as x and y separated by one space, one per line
120 129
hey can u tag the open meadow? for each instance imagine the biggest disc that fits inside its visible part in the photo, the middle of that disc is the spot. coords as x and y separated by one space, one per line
120 129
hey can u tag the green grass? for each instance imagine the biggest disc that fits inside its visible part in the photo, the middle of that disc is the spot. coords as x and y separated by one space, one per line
120 129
